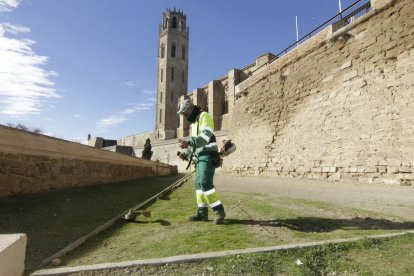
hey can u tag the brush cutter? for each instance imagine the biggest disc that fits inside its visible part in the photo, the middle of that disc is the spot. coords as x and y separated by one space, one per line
132 214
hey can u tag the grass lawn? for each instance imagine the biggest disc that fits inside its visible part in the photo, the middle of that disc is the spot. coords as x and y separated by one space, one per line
253 220
391 256
55 219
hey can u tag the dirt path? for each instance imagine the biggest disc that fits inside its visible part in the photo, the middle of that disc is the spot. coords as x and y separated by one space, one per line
384 198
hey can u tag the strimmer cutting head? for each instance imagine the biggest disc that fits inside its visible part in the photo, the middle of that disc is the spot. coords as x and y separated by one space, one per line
132 215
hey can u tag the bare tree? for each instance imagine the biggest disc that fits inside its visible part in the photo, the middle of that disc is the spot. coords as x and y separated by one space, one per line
23 127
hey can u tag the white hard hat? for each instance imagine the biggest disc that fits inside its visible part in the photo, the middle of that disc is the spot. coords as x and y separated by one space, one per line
184 106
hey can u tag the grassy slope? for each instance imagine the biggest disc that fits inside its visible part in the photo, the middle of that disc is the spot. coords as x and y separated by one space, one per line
253 220
53 220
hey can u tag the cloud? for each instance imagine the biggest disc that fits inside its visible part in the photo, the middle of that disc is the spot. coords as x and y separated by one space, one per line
151 99
14 29
8 5
132 83
123 115
24 84
148 91
78 117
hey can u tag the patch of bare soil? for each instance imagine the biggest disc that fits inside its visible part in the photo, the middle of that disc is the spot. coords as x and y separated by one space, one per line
387 199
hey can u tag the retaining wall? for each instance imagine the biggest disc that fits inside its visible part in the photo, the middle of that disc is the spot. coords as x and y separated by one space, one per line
32 163
340 106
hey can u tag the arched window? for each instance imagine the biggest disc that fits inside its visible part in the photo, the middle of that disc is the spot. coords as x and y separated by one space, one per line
172 74
174 23
166 23
162 51
181 25
162 75
173 50
183 53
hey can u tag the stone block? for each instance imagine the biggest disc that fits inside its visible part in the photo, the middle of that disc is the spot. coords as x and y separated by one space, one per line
361 35
360 169
404 170
314 176
369 41
325 169
365 179
391 181
353 169
371 169
381 4
12 254
334 176
393 162
350 75
408 176
328 78
346 65
316 169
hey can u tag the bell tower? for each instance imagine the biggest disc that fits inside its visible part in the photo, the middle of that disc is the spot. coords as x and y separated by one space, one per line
172 81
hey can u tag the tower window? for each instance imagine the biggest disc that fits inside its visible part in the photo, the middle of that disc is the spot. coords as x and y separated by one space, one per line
181 25
162 51
174 23
162 75
173 50
172 96
160 97
160 115
182 76
183 53
166 23
172 74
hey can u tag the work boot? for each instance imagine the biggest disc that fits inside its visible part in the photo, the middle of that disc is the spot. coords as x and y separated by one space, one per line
219 217
198 217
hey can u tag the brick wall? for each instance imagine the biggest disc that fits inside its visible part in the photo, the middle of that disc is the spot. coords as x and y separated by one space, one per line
340 106
31 163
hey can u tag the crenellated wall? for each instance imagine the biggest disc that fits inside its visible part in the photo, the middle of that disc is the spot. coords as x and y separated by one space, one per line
340 106
31 163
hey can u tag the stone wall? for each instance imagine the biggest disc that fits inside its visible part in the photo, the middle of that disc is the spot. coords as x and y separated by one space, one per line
340 106
31 163
136 140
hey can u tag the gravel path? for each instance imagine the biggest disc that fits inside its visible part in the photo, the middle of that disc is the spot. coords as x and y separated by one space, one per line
384 198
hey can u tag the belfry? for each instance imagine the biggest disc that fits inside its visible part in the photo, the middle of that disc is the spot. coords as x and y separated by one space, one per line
172 76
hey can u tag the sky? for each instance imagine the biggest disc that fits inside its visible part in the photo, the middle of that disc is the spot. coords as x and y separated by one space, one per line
79 67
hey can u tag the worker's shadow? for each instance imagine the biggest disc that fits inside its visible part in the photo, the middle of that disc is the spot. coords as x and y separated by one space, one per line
160 221
315 224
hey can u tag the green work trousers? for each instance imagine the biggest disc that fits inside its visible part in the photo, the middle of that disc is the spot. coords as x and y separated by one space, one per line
205 192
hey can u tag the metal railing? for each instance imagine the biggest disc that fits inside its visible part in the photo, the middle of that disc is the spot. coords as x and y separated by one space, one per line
347 16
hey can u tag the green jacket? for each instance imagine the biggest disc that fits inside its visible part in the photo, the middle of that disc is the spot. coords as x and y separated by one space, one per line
201 132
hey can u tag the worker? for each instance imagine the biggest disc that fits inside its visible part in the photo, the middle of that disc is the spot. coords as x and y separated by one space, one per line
202 148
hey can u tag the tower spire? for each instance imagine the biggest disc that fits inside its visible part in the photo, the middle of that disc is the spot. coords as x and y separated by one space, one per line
172 81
